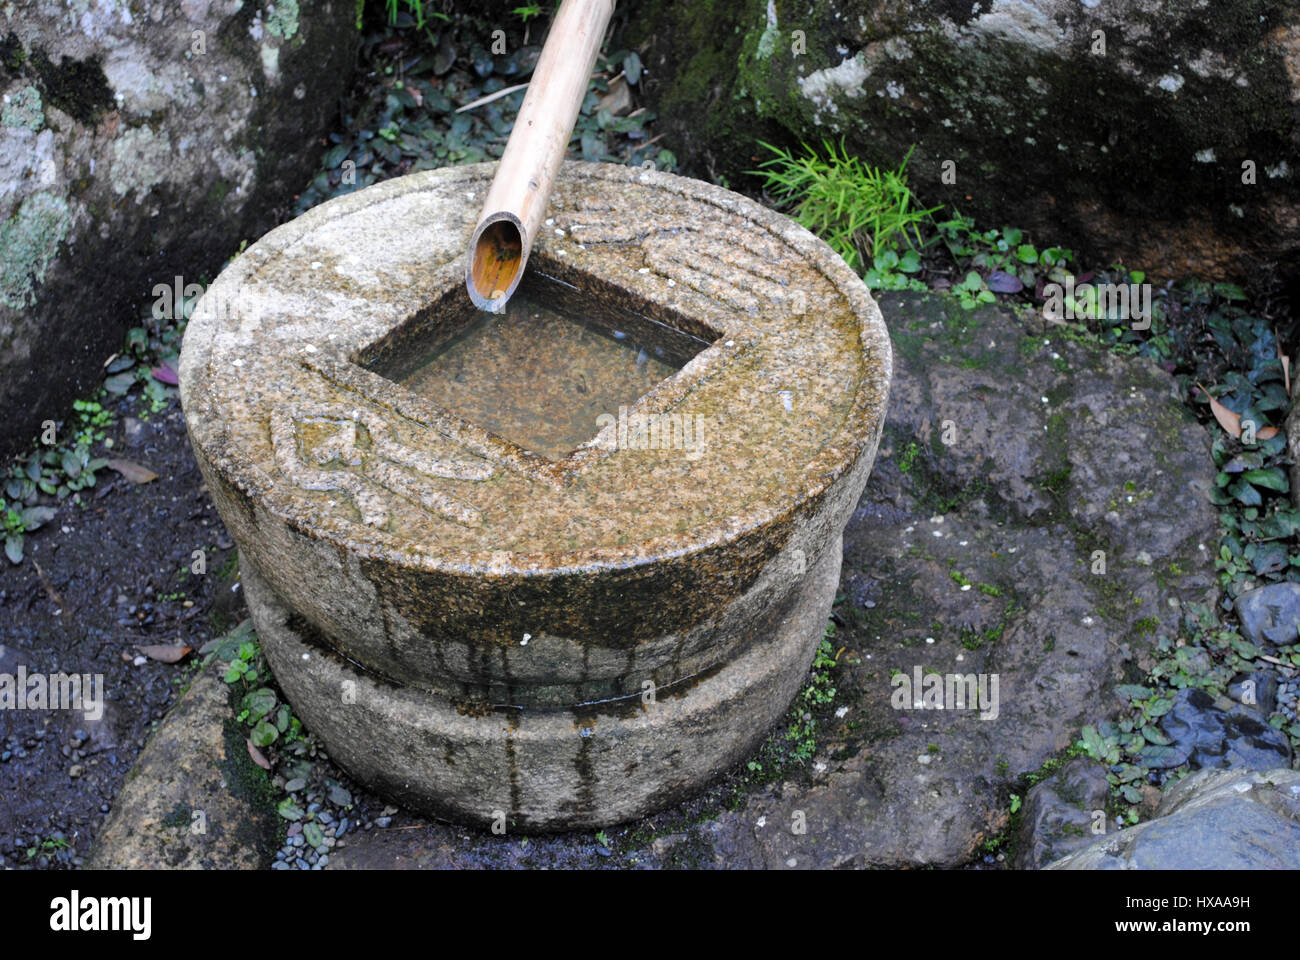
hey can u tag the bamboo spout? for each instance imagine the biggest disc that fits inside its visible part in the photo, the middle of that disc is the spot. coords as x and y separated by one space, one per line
517 199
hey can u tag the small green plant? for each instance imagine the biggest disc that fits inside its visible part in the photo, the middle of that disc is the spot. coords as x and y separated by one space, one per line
973 291
19 521
241 665
603 839
908 456
889 271
860 210
46 847
526 13
270 719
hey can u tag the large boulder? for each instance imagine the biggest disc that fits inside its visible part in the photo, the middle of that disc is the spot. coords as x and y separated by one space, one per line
139 142
1212 820
1120 128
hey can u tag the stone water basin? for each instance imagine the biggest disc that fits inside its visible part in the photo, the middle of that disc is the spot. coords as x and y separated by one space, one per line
554 569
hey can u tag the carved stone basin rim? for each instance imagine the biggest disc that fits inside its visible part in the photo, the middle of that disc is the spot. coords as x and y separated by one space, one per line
801 361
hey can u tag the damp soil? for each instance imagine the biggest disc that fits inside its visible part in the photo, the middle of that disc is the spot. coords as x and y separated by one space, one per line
98 581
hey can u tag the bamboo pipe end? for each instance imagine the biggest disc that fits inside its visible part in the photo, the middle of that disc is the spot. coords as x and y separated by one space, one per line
496 261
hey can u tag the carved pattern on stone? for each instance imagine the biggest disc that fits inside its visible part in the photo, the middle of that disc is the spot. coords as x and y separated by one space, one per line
704 256
335 462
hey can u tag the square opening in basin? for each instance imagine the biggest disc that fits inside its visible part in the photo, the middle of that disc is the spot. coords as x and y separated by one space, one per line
541 373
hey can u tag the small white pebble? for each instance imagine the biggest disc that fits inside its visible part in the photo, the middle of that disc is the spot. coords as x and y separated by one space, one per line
550 221
644 270
139 661
559 232
310 348
965 587
840 712
937 533
923 758
1044 399
937 519
672 282
237 363
316 264
929 639
524 641
761 822
306 656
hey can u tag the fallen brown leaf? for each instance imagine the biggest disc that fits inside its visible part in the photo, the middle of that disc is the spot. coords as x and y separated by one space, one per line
166 652
1267 433
259 758
133 471
1231 422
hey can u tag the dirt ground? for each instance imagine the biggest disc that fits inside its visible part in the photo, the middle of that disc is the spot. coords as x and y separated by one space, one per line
98 581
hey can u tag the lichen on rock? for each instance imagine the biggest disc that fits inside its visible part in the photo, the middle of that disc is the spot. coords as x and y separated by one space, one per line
282 19
140 159
23 109
29 240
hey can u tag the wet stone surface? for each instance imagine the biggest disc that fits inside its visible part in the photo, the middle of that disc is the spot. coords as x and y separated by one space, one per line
1211 820
1217 733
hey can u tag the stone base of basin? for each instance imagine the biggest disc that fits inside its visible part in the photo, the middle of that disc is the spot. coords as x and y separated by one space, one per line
535 768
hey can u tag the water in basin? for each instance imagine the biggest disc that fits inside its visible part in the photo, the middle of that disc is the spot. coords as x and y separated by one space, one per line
542 372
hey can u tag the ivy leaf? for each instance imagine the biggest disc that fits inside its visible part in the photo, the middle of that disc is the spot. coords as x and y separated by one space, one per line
1158 706
1161 757
36 517
632 68
1154 735
120 383
260 702
1245 493
1271 479
1129 772
1134 691
289 809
